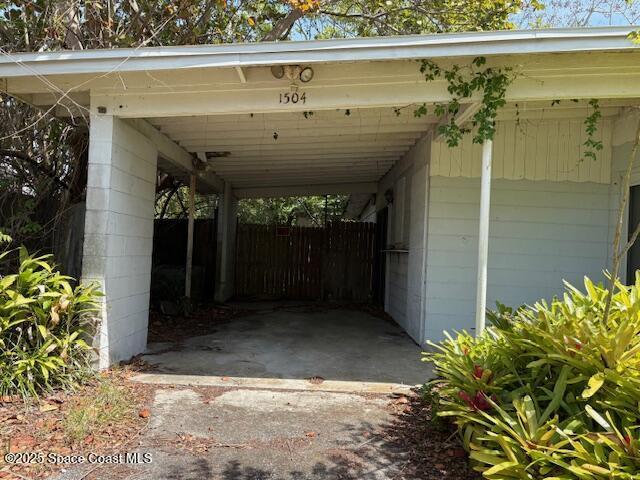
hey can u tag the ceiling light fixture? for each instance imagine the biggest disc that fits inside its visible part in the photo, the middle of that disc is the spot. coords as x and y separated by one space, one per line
306 74
292 72
277 71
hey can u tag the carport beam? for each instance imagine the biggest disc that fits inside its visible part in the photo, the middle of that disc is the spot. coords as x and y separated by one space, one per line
483 236
192 210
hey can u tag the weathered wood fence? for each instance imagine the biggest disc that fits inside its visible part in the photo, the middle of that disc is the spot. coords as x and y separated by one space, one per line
279 262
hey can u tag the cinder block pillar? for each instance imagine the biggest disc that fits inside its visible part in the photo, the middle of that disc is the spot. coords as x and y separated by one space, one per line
227 222
118 239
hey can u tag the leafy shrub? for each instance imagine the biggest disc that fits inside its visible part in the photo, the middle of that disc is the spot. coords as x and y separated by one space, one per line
42 322
550 391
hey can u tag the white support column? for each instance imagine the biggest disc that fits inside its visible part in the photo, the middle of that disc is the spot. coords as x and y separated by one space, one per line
483 236
192 211
118 236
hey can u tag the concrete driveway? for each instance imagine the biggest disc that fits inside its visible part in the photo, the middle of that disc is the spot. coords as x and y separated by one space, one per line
294 392
283 345
261 434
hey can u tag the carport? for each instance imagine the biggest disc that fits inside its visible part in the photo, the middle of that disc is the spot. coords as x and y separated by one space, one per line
222 119
242 121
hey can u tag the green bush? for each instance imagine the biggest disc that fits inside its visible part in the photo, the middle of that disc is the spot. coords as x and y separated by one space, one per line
550 391
42 322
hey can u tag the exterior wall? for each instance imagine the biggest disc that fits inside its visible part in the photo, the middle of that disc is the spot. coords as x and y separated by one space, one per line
119 233
540 233
405 267
552 213
531 150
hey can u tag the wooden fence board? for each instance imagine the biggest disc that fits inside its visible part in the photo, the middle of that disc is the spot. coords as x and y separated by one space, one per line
335 262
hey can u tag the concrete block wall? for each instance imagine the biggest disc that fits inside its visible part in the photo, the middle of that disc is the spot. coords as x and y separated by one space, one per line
119 233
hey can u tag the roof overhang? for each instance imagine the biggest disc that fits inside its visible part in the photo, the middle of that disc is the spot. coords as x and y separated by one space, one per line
508 42
209 100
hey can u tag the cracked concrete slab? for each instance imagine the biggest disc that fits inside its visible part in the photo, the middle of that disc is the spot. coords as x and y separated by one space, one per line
265 435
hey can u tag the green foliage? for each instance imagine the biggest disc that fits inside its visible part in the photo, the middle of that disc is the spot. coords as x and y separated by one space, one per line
42 322
291 210
464 83
549 391
591 127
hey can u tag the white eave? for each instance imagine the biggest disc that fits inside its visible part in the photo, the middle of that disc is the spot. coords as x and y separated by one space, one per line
507 42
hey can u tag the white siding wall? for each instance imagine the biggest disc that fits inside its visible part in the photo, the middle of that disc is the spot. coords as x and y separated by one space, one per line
405 270
119 233
397 272
540 233
532 150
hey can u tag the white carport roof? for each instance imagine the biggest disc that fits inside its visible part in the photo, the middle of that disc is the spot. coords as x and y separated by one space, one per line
507 42
219 102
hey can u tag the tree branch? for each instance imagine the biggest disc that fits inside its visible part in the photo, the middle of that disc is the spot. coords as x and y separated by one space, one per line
33 163
283 26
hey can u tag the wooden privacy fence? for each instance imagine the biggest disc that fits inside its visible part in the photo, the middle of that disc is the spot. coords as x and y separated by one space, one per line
335 262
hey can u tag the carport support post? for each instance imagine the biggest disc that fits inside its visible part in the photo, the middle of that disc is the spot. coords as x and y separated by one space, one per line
483 236
192 211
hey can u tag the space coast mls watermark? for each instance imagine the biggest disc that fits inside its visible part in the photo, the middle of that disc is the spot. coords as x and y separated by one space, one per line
90 458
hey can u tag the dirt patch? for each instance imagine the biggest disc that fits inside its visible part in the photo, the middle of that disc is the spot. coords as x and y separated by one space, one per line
102 417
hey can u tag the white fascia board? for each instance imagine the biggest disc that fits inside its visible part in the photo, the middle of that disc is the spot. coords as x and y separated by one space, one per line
508 42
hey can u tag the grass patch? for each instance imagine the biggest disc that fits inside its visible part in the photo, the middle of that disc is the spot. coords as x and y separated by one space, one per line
93 414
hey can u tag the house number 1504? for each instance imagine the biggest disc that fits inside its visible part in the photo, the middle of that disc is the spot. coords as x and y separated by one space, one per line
294 97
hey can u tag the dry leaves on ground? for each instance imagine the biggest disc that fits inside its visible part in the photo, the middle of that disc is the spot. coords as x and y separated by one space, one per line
68 423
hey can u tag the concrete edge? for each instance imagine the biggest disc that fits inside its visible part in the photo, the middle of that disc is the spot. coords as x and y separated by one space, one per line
272 383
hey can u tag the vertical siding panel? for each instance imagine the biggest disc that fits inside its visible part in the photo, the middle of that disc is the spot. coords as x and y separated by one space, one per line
476 155
564 149
498 151
456 159
444 158
433 159
530 151
605 171
518 165
541 147
509 150
574 157
584 164
534 150
467 159
552 151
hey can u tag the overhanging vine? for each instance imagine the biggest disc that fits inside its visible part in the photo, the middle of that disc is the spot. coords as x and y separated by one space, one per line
490 84
464 83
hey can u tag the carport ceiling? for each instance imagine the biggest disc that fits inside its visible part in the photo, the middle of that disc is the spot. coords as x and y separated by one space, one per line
296 148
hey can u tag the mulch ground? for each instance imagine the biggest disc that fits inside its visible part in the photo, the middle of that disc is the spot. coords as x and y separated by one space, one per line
38 427
434 447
